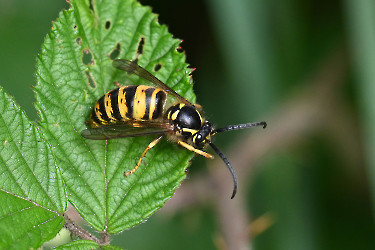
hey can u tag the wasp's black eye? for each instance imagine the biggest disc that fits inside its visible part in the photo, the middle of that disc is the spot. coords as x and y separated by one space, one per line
202 135
198 139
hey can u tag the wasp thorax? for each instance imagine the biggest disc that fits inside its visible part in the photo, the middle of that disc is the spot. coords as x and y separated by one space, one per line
186 119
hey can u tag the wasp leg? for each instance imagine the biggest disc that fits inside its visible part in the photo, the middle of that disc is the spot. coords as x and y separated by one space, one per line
150 146
195 150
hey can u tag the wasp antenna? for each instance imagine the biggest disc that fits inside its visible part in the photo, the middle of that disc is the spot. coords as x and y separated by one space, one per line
224 158
240 126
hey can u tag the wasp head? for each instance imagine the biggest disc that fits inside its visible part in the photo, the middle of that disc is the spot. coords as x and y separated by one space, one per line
203 136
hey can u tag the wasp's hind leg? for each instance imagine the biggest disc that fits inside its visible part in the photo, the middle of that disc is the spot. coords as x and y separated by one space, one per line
150 146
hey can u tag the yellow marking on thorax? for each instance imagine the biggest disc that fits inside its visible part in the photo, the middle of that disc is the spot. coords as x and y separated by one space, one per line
189 130
200 117
175 114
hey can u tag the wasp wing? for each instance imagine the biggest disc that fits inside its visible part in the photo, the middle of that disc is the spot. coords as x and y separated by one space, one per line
133 68
128 129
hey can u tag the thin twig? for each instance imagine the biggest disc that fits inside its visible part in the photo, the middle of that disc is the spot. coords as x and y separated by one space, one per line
77 230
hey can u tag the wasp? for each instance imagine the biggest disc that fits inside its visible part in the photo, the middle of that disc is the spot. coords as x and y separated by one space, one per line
139 110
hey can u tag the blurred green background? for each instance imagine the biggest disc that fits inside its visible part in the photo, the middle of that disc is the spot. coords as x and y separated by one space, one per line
305 67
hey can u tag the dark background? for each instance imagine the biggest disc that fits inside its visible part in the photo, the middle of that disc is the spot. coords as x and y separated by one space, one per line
305 67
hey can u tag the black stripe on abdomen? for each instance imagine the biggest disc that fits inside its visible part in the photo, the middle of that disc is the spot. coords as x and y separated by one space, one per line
103 112
159 101
129 93
148 101
114 103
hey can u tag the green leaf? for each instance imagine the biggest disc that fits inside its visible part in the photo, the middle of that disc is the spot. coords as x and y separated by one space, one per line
73 71
79 244
31 189
85 244
108 247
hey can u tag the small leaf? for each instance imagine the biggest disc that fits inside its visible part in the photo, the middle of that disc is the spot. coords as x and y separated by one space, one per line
79 244
108 247
74 71
31 189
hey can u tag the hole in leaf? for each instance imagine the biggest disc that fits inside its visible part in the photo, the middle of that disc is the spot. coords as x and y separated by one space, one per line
78 40
90 79
157 67
87 57
75 26
140 45
116 52
92 6
107 25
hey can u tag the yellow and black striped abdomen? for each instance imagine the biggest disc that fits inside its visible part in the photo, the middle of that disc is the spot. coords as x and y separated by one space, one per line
135 102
